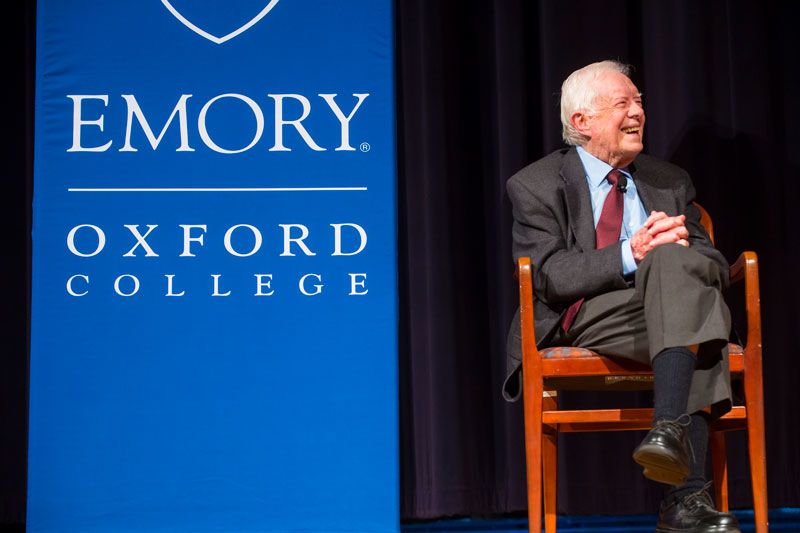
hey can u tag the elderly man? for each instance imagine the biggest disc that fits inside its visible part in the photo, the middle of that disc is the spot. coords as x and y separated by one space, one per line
622 266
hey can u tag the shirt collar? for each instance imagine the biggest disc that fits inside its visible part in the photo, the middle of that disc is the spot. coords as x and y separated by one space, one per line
596 169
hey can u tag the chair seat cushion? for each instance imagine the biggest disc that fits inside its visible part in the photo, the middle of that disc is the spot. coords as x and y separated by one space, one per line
565 352
600 383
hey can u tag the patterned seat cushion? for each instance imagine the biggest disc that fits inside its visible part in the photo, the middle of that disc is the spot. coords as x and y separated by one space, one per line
600 383
565 352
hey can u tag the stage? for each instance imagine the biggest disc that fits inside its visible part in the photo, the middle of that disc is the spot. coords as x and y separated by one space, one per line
786 519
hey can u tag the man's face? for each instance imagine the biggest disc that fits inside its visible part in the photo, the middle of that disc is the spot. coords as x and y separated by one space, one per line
617 127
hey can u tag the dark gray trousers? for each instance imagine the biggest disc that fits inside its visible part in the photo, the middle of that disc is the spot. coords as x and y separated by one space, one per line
676 300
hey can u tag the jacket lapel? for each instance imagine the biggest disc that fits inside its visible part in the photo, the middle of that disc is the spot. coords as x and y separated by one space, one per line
579 203
653 197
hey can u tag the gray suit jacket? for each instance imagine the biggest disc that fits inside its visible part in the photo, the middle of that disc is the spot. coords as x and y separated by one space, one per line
554 226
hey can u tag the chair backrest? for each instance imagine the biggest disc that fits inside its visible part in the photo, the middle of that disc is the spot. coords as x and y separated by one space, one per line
705 221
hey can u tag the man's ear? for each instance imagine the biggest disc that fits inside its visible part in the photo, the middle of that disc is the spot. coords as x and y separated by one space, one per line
580 121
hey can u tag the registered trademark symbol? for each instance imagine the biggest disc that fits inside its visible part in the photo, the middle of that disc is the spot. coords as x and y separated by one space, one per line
364 147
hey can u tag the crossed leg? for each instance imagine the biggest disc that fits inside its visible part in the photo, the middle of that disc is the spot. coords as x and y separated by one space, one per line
675 319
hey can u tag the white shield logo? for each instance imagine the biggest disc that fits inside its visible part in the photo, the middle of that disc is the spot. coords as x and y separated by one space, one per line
213 38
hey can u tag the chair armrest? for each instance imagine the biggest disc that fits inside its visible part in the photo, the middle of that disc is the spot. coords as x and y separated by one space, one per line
746 268
745 260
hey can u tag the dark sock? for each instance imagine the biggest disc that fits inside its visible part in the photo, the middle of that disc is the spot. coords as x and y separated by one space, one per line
698 437
672 370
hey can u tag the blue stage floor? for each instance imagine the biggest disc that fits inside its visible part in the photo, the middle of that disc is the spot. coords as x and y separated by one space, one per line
783 520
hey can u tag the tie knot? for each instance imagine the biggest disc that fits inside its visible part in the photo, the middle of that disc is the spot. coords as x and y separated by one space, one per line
613 177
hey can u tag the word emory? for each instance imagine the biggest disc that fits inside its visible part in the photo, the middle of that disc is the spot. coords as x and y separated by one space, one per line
95 122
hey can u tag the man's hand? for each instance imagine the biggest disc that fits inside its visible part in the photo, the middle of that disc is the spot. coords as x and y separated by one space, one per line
658 229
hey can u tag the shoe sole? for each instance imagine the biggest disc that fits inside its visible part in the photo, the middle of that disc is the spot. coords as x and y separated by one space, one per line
659 466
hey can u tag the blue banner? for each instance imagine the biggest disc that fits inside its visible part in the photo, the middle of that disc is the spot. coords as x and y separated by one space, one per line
214 322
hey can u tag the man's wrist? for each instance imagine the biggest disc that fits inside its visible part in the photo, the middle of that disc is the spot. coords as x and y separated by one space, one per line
629 265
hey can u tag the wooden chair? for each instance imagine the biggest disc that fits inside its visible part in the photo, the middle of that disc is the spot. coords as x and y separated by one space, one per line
543 419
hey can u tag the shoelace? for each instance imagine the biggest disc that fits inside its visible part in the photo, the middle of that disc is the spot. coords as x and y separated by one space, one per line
676 427
700 498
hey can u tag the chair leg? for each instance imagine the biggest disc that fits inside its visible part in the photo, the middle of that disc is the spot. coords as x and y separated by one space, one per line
550 470
754 401
719 462
533 452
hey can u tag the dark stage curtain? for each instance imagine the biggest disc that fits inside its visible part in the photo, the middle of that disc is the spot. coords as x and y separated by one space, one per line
478 85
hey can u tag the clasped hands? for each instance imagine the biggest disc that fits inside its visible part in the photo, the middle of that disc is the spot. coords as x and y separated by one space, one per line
658 229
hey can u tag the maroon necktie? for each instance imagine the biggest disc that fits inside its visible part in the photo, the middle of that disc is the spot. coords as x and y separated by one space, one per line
607 232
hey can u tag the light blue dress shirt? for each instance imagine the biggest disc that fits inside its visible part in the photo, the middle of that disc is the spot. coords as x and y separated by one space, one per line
633 216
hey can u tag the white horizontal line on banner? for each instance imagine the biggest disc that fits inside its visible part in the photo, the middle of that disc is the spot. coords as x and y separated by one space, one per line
218 189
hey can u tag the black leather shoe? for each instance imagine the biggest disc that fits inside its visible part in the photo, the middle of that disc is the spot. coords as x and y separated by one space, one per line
664 452
695 513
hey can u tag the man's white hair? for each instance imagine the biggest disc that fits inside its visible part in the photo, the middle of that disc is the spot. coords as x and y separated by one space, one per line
579 93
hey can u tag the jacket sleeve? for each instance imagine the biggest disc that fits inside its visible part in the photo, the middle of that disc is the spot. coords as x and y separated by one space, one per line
562 272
